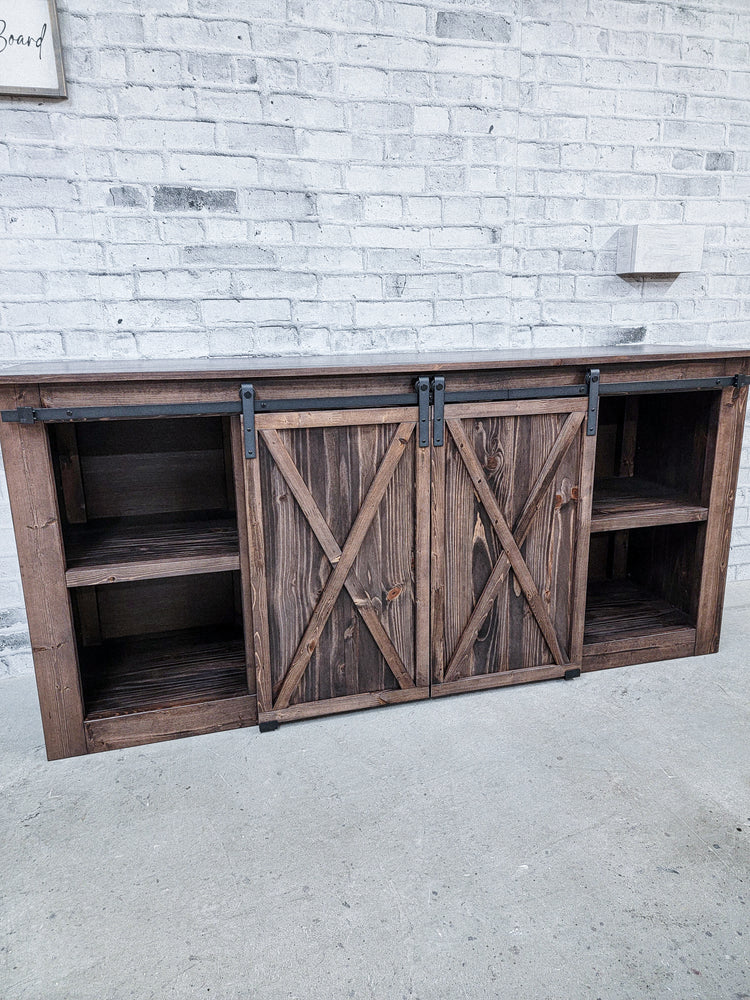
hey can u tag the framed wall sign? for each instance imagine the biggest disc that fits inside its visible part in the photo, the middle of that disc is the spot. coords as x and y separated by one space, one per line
31 61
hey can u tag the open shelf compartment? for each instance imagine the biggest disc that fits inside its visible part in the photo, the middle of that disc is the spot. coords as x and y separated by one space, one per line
144 499
653 460
155 645
643 594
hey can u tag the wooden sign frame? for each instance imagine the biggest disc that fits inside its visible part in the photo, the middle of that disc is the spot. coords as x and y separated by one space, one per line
50 33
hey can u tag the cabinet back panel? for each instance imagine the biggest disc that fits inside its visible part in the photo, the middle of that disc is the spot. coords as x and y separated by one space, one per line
141 467
165 605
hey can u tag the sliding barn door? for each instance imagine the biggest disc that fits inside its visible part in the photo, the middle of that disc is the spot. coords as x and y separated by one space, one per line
338 516
511 504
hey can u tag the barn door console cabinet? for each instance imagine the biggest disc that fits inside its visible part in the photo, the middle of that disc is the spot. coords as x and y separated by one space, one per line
219 544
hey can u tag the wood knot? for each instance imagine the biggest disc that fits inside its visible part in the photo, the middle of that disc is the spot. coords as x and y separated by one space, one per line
492 463
393 593
311 646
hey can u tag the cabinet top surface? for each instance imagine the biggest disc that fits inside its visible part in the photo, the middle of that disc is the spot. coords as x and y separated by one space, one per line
352 364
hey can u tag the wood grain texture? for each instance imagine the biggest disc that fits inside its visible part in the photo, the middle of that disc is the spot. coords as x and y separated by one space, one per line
726 462
619 611
580 568
261 642
521 529
114 551
160 671
631 502
36 520
505 535
340 522
344 703
139 728
349 552
526 469
362 601
237 465
670 647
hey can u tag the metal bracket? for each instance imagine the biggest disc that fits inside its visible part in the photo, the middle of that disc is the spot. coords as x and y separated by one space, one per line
247 395
422 387
438 412
741 380
593 380
571 674
268 727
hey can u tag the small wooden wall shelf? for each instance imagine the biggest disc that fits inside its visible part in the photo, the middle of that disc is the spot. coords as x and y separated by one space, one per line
217 544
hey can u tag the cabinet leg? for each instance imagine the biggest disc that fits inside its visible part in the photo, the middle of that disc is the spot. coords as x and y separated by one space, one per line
268 727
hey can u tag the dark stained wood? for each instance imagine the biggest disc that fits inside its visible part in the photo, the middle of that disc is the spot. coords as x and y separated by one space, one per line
340 525
242 368
507 463
504 678
646 650
726 462
344 703
71 481
467 571
138 728
620 611
362 601
163 671
261 642
166 604
237 445
324 606
36 520
581 550
114 551
521 528
632 502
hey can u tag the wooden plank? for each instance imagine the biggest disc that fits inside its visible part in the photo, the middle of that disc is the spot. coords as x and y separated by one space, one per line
36 520
522 527
349 552
333 418
237 448
422 566
437 562
622 503
502 678
138 729
333 553
728 450
580 566
514 408
140 549
346 703
150 570
261 644
246 368
507 541
674 650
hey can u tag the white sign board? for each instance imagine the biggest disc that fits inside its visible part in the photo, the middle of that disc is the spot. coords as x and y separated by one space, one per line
30 51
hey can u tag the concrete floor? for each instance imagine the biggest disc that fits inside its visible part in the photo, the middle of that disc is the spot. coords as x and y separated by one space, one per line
560 840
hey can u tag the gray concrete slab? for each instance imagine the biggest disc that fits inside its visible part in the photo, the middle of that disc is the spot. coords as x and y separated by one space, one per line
563 840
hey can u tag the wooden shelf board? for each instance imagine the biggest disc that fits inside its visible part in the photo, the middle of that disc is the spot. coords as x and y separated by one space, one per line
629 502
118 550
621 615
163 671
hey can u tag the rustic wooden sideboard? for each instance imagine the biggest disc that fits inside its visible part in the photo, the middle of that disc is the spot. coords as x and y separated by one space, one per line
214 544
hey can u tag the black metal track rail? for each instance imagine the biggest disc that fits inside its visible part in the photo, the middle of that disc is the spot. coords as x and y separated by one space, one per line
44 414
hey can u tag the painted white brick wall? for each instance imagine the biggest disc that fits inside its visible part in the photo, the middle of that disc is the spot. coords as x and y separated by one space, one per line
258 176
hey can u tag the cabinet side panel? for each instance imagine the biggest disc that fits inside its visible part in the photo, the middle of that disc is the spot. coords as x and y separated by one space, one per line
720 513
36 521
